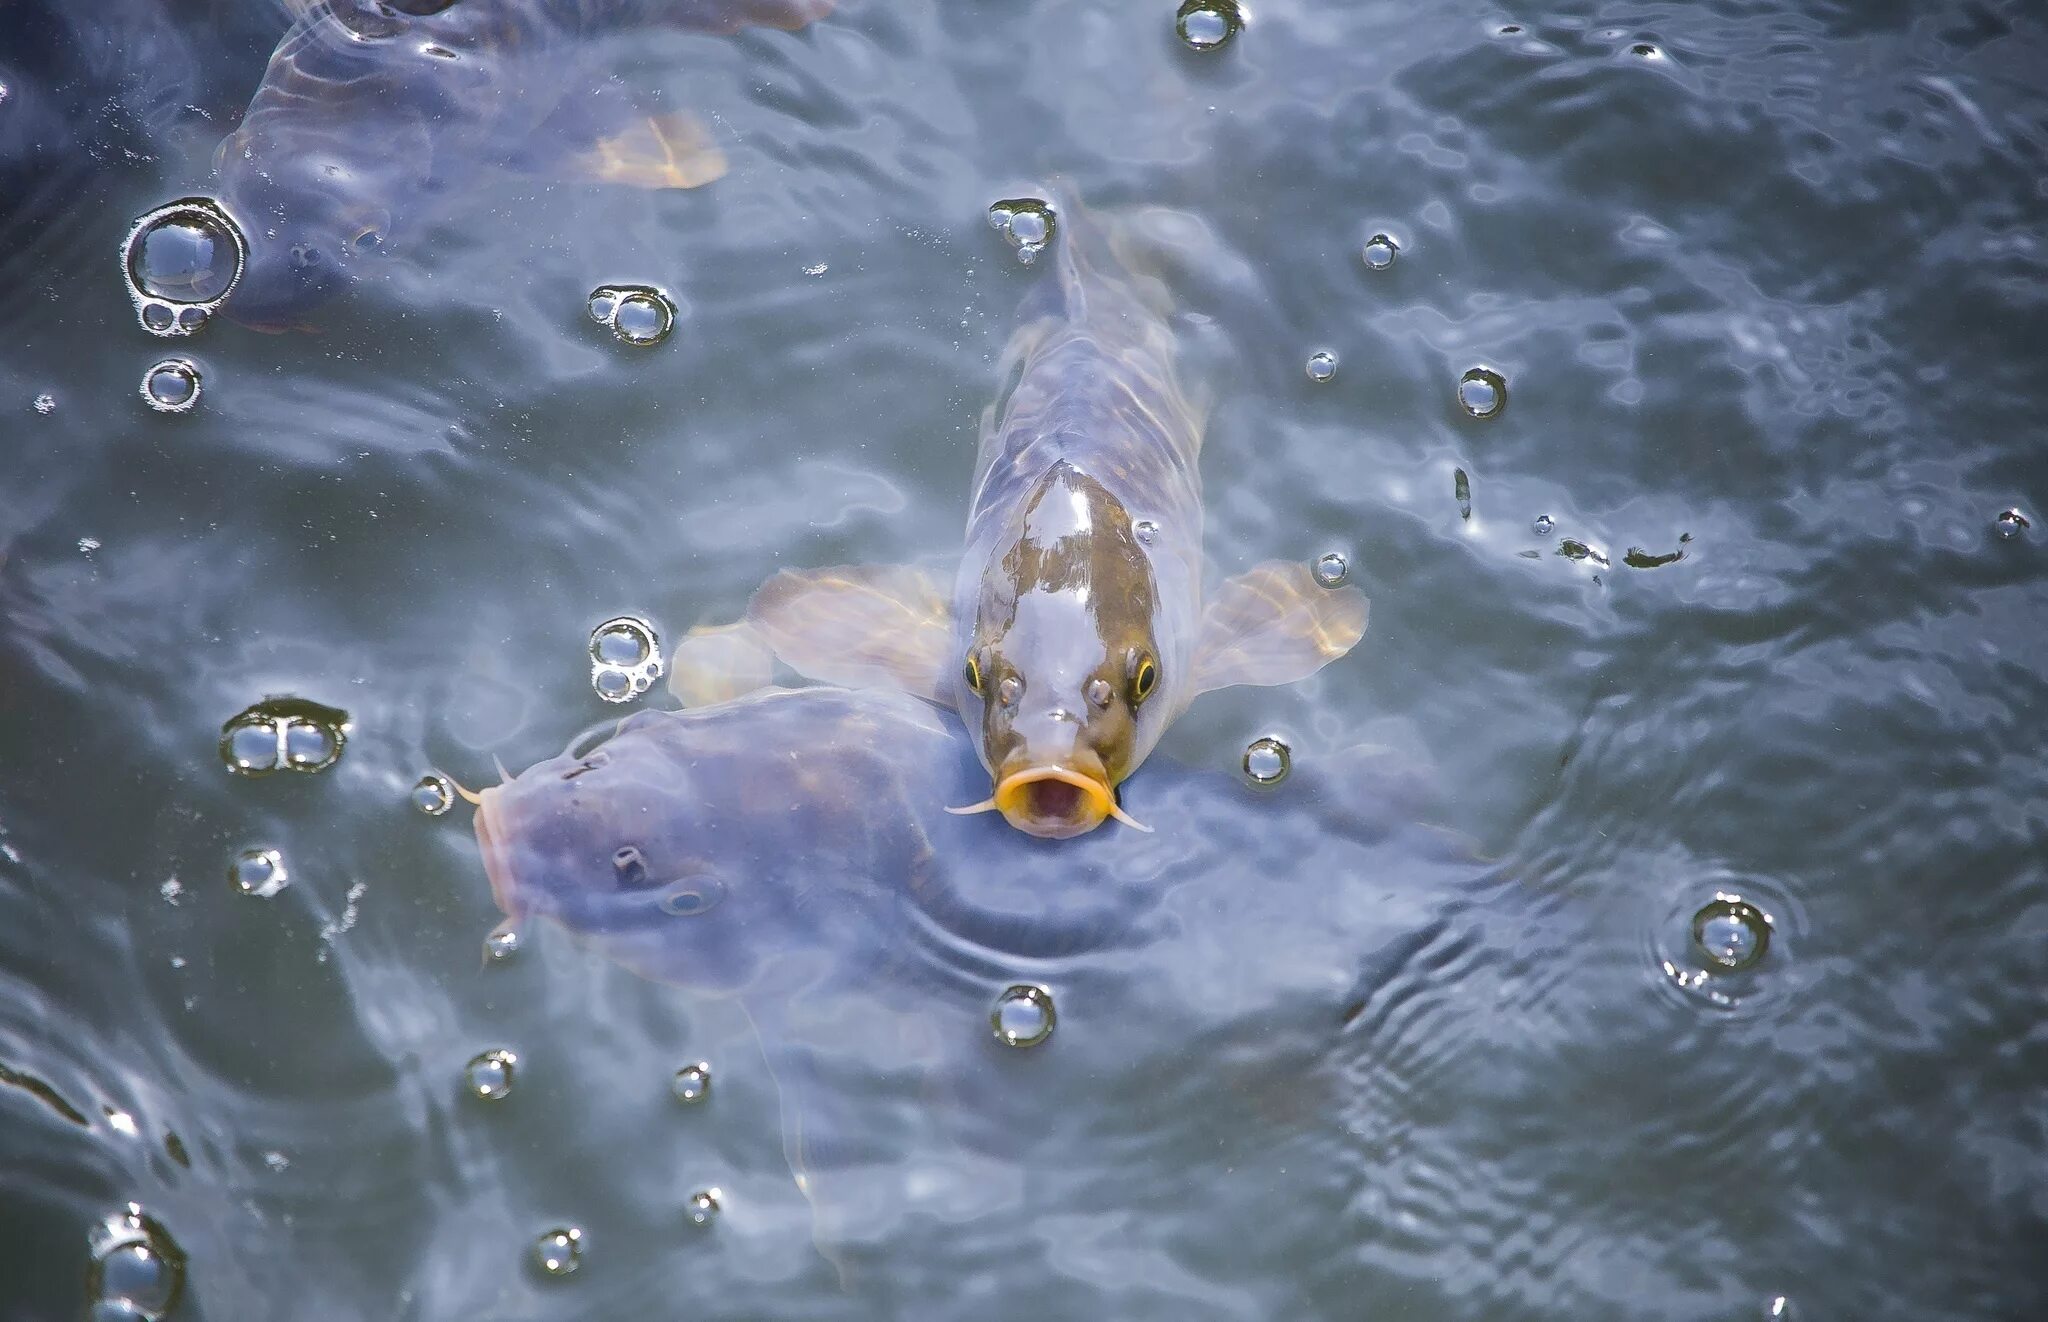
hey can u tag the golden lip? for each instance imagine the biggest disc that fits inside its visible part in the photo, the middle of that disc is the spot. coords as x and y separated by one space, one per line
497 866
1014 800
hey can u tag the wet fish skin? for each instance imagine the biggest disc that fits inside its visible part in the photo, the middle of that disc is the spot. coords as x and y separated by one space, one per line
369 109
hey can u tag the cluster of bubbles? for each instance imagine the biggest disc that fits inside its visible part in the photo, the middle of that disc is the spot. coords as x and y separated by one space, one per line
1208 24
283 734
1267 761
625 658
171 386
182 260
138 1270
1023 1015
636 314
1322 366
1027 223
259 872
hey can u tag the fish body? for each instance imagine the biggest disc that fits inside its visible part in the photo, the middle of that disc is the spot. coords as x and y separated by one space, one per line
371 109
1078 627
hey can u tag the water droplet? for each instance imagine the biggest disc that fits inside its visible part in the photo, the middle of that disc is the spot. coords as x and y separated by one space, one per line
702 1209
136 1264
1380 251
433 794
625 658
172 386
1730 933
502 944
1543 524
559 1252
637 314
182 260
46 404
1482 392
1208 24
1267 761
693 1082
259 872
1029 223
283 733
1147 531
1332 569
1322 365
1023 1016
489 1074
2010 523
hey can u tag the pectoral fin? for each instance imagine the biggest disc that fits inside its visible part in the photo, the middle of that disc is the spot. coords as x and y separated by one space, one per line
1275 624
864 626
717 663
665 150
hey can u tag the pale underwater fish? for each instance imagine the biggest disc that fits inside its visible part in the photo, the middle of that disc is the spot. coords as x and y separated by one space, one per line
790 850
1078 627
371 109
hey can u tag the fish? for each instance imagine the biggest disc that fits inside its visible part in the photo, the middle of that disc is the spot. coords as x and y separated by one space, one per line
369 110
788 850
1078 627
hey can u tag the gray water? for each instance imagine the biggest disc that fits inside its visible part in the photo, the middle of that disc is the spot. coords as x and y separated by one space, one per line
1766 285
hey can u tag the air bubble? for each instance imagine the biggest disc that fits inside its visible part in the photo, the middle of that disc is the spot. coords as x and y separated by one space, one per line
559 1252
283 734
1331 570
692 1082
1482 392
1023 1016
172 386
1267 761
488 1075
1379 252
433 794
1730 933
1543 524
182 260
259 872
625 658
702 1209
2010 523
1028 223
1147 531
502 944
639 315
137 1268
1322 366
1208 24
46 404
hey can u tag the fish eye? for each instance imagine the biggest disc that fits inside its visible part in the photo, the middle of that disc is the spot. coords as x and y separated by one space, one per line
1144 679
974 672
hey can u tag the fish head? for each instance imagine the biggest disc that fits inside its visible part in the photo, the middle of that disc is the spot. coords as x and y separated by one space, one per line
310 222
1064 671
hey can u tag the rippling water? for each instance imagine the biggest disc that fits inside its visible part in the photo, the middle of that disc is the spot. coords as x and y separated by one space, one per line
1715 600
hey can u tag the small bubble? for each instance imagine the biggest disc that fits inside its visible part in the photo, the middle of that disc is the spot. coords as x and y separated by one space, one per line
1482 392
46 404
172 386
433 794
1267 761
277 1161
693 1082
1380 251
185 256
1543 524
816 268
1779 1309
1147 531
1028 223
502 944
489 1074
2010 523
559 1252
625 658
702 1209
1023 1016
259 872
136 1264
1208 24
643 317
292 734
603 302
87 545
309 745
1332 569
1730 933
1322 365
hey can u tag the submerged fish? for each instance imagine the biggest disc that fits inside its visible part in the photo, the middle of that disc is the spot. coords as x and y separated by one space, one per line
369 108
790 850
1077 629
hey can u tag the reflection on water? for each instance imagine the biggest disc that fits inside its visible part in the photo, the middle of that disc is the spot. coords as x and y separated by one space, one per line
1731 1011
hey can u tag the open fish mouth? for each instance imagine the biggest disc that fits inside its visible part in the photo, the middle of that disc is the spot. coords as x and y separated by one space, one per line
1054 803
